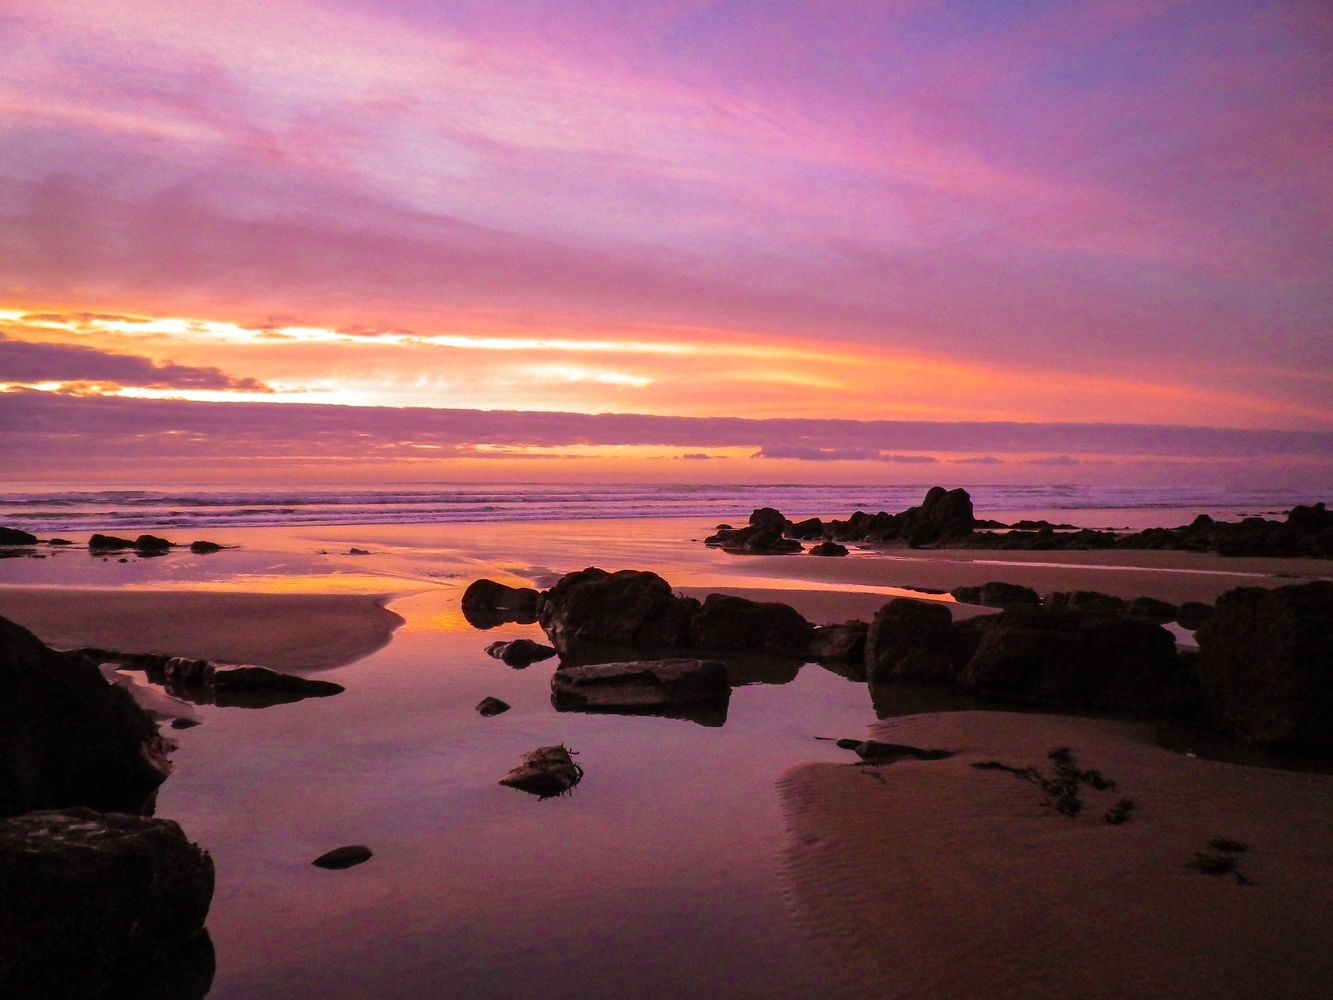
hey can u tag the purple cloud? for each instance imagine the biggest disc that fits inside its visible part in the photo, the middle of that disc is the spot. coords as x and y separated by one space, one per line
27 362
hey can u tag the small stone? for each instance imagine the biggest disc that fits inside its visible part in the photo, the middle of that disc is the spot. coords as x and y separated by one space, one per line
489 706
343 857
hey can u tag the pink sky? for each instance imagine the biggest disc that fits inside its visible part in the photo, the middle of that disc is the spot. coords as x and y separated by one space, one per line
1113 212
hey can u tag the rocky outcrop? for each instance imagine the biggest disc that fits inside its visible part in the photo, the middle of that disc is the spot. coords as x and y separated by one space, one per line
487 604
92 903
829 549
911 640
545 772
595 610
67 737
1266 666
519 653
734 624
640 684
14 536
996 595
765 534
1068 659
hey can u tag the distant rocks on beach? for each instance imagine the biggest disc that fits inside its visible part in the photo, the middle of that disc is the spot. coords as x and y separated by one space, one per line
945 519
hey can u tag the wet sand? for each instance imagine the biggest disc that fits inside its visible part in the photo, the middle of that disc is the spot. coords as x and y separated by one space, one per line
936 879
281 631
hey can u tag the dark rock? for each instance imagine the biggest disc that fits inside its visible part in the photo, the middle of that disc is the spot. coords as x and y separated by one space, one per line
487 604
911 640
769 519
1073 659
490 707
844 643
829 549
519 653
545 772
203 548
202 682
640 684
67 737
60 542
996 595
152 544
109 543
627 609
344 857
1152 609
734 623
764 535
1266 666
358 552
1089 601
89 900
943 515
184 723
809 529
1192 614
13 536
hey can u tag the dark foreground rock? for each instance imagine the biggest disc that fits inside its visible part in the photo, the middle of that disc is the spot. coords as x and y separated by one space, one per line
640 684
726 623
344 857
996 595
102 904
828 549
1266 666
545 772
109 543
845 643
15 536
67 737
487 604
519 653
911 640
1066 659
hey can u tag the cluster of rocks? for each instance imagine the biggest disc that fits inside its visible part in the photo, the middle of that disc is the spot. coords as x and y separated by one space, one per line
945 519
143 545
1263 670
96 896
204 682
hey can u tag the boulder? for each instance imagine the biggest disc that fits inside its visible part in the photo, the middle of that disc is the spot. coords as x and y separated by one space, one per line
1192 614
1152 609
1266 666
1090 601
594 609
726 623
109 543
911 640
13 536
152 545
829 549
519 653
640 684
487 604
89 900
996 595
67 737
1070 659
764 535
545 772
204 548
845 643
944 515
809 529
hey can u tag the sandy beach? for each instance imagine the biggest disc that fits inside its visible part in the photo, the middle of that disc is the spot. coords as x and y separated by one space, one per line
936 879
752 846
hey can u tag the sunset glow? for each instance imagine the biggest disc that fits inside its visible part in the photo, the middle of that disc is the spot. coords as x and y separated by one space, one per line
1089 213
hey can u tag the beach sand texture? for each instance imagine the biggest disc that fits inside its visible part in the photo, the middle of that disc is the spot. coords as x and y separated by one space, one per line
936 879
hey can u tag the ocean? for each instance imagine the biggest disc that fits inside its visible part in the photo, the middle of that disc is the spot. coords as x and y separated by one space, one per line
44 510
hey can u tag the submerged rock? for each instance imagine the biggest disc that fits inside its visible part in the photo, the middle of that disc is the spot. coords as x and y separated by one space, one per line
520 653
69 738
640 684
1266 665
344 857
204 682
89 900
545 772
875 752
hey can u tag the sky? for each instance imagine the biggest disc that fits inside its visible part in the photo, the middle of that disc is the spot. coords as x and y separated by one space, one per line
673 240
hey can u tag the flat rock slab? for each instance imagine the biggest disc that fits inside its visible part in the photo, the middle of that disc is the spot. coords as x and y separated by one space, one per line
641 683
